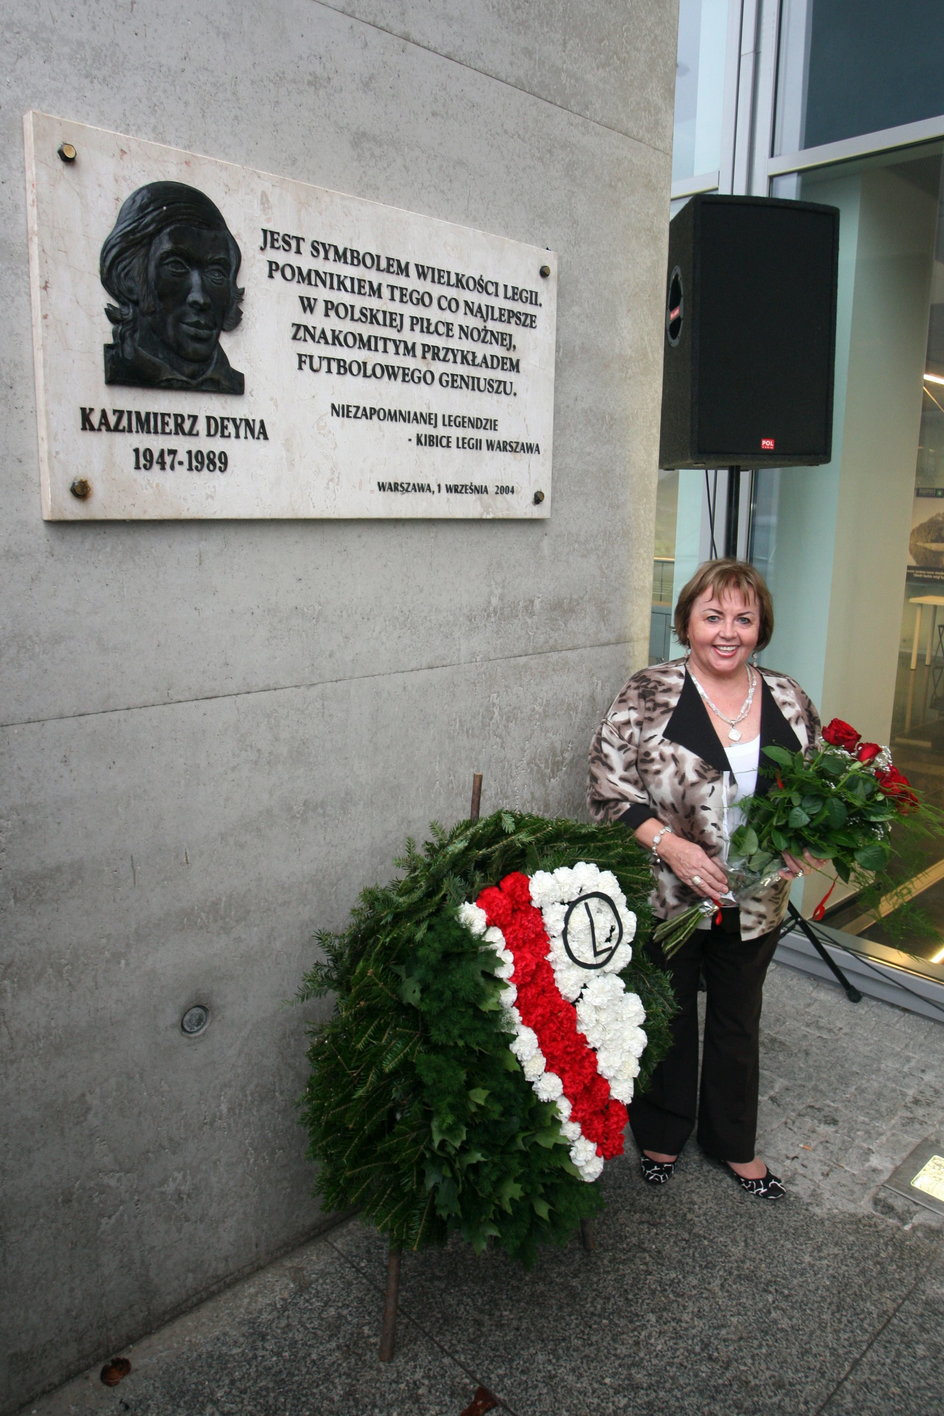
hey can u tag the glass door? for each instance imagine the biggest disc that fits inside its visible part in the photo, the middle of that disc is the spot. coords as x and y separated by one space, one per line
855 550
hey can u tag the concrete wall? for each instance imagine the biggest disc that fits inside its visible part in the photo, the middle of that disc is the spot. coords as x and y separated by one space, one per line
215 734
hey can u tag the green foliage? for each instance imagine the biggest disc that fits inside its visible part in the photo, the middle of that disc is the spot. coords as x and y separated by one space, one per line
829 804
416 1110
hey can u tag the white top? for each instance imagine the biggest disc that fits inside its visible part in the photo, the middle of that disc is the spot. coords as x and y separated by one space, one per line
745 759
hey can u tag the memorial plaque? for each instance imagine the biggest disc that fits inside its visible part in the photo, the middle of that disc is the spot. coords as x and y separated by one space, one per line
212 341
930 1178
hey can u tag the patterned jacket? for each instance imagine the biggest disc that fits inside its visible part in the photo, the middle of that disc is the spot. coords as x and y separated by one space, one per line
657 754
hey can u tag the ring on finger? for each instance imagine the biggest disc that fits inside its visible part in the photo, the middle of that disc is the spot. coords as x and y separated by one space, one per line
696 879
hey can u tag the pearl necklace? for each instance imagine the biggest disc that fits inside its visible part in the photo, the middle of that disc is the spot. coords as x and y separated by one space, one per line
733 731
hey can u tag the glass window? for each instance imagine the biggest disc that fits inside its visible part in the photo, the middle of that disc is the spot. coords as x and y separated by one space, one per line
848 69
699 87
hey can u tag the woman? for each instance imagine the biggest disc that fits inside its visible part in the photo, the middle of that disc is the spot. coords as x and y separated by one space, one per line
677 750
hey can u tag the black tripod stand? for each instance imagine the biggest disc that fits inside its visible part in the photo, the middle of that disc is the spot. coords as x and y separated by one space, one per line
852 993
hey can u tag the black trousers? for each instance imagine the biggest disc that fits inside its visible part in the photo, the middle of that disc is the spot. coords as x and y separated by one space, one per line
725 1103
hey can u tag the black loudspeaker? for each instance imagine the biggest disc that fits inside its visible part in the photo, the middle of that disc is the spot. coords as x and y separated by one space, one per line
750 333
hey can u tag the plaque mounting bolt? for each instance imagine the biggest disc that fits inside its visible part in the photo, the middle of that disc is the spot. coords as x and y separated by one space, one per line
81 488
195 1020
538 498
67 152
545 272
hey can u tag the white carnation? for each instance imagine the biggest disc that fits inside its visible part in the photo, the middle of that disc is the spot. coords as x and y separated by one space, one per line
549 1087
620 960
525 1044
543 886
566 883
473 918
636 1043
554 915
584 1155
633 1011
610 1061
582 1150
605 990
592 1169
589 877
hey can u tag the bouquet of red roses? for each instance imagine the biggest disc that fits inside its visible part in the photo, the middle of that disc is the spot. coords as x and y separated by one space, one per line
837 803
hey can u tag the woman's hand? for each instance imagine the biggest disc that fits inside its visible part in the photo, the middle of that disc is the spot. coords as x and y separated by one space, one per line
693 866
793 868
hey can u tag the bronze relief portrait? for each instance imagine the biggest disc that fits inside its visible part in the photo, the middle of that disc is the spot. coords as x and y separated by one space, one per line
170 264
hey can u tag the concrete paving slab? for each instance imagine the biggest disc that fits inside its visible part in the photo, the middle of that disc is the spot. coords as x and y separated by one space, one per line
697 1299
297 1339
902 1370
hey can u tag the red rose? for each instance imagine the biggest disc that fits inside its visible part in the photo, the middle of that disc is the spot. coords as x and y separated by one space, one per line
868 751
840 734
895 785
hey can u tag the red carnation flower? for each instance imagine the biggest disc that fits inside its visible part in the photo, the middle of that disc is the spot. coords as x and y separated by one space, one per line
614 1127
498 908
598 1091
542 1008
840 734
518 888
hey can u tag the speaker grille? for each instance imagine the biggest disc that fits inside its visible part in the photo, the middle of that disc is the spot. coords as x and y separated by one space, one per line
748 374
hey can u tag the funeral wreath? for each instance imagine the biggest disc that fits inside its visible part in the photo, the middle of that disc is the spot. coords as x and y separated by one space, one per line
491 1020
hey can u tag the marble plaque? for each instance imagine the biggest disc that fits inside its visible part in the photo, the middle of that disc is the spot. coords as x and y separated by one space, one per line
212 341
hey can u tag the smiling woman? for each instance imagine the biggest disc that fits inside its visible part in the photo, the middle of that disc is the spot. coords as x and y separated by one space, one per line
723 629
677 751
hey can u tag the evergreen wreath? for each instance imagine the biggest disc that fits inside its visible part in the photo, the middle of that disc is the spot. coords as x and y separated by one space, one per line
417 1111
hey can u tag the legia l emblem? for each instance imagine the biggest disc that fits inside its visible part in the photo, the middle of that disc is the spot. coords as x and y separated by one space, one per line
562 938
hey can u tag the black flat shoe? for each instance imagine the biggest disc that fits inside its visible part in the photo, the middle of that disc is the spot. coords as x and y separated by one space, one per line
656 1172
768 1187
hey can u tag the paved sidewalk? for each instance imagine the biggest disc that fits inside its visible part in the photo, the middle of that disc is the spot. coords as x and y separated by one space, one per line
696 1300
